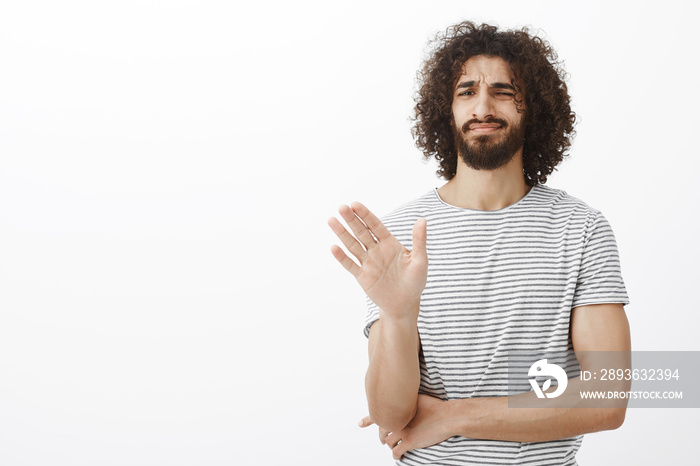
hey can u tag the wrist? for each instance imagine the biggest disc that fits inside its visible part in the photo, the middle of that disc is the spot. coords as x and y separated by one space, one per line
403 315
453 416
468 417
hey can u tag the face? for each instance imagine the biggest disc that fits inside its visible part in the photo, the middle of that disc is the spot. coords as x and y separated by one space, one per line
487 124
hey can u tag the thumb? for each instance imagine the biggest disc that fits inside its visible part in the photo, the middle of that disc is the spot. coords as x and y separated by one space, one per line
365 422
420 234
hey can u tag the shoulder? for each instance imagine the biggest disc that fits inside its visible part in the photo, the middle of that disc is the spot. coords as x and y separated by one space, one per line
559 198
577 213
562 202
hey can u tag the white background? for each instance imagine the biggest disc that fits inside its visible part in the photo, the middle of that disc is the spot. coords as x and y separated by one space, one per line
167 294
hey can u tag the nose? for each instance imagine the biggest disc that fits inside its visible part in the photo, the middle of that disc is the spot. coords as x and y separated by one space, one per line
483 106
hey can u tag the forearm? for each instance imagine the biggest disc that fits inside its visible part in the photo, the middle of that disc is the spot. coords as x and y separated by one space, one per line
493 419
601 339
393 376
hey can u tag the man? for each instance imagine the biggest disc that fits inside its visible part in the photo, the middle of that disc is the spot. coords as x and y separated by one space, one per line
492 262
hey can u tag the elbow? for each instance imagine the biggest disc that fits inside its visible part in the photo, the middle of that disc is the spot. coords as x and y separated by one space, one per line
613 419
393 420
392 424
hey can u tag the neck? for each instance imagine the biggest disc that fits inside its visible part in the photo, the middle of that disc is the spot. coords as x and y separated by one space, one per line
486 189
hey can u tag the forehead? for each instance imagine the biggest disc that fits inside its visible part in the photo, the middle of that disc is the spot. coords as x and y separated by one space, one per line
485 68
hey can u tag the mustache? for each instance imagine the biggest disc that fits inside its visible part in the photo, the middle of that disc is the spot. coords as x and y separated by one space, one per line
465 126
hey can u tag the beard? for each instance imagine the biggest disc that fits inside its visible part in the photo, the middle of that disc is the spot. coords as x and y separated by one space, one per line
489 151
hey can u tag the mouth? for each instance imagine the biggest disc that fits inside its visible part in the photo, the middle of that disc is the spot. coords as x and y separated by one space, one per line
484 128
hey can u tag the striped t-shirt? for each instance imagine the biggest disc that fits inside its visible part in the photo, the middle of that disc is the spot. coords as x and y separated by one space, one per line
500 281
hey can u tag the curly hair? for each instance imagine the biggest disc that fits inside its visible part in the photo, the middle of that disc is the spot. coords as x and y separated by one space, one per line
549 120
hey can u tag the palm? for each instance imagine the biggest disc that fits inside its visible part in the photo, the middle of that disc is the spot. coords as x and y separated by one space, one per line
392 276
390 273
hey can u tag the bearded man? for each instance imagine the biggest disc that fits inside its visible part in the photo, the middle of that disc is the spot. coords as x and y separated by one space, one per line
491 263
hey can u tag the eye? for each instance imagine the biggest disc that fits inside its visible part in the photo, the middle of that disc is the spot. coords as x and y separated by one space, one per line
466 93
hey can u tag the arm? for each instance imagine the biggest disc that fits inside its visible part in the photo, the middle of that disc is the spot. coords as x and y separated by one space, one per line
393 375
393 278
601 327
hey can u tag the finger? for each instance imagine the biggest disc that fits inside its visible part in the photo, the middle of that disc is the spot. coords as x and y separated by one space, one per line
420 236
398 451
392 439
360 229
383 433
365 422
373 223
348 240
403 446
345 261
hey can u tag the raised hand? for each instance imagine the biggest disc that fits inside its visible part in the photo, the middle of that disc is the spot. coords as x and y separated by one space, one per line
392 276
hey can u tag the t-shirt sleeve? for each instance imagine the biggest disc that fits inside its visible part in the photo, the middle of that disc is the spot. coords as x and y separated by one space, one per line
600 276
372 315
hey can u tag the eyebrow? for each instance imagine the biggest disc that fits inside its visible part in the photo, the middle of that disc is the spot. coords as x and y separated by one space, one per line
466 84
